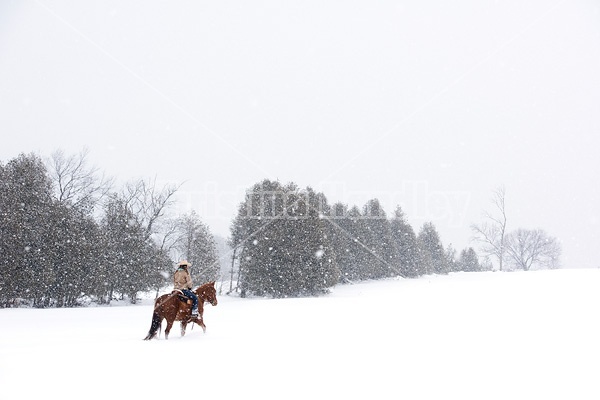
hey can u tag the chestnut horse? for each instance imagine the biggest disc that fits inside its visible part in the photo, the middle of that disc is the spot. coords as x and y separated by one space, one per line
176 307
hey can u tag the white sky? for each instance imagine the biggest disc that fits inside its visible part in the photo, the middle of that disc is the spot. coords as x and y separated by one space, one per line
430 105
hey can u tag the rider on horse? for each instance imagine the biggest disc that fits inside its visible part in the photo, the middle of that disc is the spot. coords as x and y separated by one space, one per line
182 280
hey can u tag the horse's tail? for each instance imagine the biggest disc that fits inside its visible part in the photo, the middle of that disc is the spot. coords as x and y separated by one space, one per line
156 323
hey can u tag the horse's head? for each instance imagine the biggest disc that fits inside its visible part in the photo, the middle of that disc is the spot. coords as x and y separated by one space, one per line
207 292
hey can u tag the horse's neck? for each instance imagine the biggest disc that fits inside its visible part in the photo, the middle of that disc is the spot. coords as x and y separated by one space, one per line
200 291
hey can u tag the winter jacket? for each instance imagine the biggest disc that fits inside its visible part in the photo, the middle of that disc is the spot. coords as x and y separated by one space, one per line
182 279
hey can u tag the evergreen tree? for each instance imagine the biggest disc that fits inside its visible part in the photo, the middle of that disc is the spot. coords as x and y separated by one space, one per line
127 252
378 242
289 252
261 210
73 247
25 206
405 242
343 242
53 253
433 250
357 253
468 261
48 246
318 268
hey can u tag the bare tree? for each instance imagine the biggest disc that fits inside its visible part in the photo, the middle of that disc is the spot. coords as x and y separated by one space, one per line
170 233
148 203
492 233
75 181
528 248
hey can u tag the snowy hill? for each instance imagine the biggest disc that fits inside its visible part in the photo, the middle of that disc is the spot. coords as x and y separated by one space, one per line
487 335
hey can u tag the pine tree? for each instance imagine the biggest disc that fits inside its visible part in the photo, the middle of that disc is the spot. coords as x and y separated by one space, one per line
318 269
73 247
469 261
358 254
24 216
286 249
127 252
258 219
433 250
342 238
405 242
377 238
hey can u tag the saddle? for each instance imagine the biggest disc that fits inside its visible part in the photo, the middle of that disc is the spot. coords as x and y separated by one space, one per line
181 296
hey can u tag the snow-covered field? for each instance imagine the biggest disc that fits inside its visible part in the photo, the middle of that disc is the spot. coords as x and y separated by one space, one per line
520 335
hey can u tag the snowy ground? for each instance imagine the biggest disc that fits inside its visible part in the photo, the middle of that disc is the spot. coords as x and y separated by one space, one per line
533 335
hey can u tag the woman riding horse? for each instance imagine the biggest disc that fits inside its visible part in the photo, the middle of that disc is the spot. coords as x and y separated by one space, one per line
174 307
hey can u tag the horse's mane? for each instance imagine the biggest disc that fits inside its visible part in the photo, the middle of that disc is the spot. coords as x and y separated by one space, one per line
205 285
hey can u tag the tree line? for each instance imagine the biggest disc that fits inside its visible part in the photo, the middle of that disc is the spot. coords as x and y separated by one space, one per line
68 238
289 241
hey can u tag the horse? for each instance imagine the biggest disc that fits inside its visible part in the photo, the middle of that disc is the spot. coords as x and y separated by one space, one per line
176 307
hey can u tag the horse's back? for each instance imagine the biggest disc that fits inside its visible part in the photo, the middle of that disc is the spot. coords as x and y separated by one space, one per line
160 299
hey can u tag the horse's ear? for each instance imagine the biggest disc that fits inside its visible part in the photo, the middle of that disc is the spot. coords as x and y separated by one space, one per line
213 283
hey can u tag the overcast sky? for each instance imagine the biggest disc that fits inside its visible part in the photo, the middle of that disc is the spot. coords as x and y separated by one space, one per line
430 105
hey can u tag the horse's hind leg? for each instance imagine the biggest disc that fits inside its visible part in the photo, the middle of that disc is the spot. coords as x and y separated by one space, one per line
168 328
183 326
200 321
